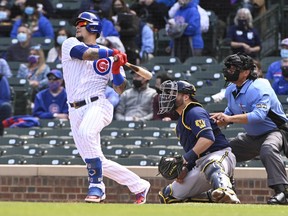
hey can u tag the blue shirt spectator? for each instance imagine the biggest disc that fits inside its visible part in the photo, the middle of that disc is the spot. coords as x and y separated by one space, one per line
274 71
5 68
52 102
5 98
39 25
112 96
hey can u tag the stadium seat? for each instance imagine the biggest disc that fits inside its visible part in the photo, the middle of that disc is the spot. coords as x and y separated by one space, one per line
200 60
165 61
22 151
114 151
162 41
135 162
61 151
266 61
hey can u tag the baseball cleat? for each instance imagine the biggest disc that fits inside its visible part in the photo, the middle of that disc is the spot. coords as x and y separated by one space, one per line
141 197
221 195
95 195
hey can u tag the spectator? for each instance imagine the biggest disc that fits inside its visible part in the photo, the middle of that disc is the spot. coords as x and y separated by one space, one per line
54 54
127 24
103 5
280 86
168 116
168 3
274 72
5 68
39 25
253 103
109 35
5 98
20 50
145 41
112 96
190 43
244 38
5 19
35 70
52 102
136 102
153 12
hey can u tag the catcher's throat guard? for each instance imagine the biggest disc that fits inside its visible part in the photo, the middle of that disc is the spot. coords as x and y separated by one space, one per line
170 167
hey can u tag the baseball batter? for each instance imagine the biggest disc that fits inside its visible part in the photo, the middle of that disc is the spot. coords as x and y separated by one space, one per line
87 69
209 162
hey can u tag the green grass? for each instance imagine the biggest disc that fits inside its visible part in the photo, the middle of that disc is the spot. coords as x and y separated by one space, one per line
191 209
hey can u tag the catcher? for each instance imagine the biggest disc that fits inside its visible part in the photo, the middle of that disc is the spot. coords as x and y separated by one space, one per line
208 162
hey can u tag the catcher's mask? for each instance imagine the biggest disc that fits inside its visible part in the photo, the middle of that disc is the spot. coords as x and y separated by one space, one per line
170 90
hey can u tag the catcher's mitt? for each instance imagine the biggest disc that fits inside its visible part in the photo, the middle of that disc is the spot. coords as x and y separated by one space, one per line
170 167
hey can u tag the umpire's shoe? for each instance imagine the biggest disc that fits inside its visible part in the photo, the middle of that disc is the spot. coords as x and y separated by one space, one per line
95 195
280 197
224 195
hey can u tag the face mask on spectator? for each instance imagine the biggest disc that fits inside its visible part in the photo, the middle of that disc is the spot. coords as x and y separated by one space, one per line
284 53
22 37
242 23
3 15
29 10
61 39
137 83
32 59
54 86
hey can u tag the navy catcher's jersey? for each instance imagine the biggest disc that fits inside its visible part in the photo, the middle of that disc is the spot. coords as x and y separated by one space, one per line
195 123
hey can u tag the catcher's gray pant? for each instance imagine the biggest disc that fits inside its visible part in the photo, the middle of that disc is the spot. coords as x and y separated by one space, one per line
268 146
195 183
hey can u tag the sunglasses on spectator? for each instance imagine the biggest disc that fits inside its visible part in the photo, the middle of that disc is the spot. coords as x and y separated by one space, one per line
82 23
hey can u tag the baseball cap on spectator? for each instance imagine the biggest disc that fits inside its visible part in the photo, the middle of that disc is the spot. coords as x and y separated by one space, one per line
56 73
284 43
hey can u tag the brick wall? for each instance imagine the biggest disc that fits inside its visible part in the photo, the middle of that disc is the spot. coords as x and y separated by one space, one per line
51 186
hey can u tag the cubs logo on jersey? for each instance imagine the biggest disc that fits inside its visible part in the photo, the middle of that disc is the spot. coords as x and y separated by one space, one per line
102 66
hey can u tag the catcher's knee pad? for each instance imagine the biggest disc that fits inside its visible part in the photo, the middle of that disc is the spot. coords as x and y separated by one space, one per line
216 176
165 196
94 167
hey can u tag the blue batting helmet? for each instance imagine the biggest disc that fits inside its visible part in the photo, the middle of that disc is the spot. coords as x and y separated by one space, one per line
94 23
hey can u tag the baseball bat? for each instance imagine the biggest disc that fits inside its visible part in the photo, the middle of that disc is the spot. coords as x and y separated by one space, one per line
137 69
140 71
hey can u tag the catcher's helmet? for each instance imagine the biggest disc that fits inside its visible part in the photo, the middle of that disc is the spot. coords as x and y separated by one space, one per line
94 24
170 89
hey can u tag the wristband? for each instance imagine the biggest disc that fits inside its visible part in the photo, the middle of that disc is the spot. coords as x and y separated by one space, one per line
118 79
190 156
104 53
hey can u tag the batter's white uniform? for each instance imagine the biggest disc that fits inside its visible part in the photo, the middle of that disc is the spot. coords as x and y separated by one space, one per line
83 80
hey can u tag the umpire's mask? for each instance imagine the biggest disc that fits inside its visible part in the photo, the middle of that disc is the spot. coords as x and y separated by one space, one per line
168 96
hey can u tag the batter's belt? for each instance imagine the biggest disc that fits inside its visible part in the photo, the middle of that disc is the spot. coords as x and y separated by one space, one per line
79 104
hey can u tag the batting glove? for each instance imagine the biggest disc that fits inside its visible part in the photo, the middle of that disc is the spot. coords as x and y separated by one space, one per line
119 60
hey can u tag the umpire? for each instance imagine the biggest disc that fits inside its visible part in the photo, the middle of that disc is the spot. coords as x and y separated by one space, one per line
253 103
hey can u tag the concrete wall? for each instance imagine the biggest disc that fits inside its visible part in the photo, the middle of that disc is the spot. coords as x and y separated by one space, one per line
69 184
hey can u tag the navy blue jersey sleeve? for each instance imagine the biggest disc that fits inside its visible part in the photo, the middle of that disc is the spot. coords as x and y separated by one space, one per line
198 121
78 51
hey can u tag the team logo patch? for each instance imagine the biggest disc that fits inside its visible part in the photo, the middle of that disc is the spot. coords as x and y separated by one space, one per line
102 66
200 123
261 106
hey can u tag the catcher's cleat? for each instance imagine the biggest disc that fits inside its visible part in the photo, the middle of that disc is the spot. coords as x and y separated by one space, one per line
165 196
95 195
221 195
141 197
